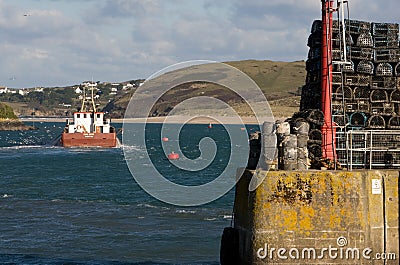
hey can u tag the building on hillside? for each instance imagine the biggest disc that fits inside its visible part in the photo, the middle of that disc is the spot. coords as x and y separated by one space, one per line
114 91
3 89
128 86
23 91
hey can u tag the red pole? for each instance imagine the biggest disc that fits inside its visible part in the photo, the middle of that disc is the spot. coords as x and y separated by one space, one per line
328 132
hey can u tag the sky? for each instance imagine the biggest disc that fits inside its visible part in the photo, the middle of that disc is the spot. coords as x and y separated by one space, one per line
65 42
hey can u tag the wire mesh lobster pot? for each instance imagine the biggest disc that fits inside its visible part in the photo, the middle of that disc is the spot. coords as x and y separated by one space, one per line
310 102
357 27
337 39
357 79
313 65
309 98
376 122
337 54
300 127
350 107
383 82
335 26
313 77
365 40
316 26
397 70
388 41
311 90
348 67
365 67
394 123
396 108
358 119
315 116
314 53
383 29
361 53
363 106
395 96
386 55
361 93
336 79
315 151
379 96
386 109
337 106
384 69
340 119
315 136
314 40
345 93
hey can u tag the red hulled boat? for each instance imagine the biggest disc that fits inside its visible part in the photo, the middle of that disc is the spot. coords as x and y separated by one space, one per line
89 128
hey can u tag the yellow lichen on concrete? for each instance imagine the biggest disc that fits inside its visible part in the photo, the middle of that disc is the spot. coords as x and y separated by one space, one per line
306 215
317 206
288 219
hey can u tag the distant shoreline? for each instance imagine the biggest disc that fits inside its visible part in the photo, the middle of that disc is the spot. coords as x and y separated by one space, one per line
168 119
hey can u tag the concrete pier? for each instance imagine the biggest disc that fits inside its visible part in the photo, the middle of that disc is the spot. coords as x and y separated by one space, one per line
318 217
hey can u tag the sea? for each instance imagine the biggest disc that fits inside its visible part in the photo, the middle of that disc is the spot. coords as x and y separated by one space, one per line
82 205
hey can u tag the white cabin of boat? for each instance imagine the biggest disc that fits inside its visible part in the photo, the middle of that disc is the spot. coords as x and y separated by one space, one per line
89 122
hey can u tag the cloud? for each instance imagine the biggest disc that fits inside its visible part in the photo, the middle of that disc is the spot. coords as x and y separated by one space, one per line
113 40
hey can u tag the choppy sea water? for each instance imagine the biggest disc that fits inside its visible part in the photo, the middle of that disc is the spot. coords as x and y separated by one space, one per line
82 206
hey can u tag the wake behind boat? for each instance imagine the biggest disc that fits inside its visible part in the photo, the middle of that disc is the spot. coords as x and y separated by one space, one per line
89 128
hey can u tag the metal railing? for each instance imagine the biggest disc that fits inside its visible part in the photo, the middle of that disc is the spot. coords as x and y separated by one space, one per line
368 149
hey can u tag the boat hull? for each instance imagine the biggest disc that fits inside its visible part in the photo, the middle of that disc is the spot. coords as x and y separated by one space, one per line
89 139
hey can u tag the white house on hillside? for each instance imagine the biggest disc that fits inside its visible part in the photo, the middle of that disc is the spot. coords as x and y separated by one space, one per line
3 89
23 91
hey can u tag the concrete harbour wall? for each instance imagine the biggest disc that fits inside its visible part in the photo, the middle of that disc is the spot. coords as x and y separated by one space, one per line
318 217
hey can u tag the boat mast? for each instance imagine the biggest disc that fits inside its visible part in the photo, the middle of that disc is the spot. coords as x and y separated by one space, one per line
93 104
83 99
91 87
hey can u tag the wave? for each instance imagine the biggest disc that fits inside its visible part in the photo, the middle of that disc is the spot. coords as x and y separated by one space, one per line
18 147
186 211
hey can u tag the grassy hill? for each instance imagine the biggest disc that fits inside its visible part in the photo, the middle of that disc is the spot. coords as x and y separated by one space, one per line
276 79
9 121
279 81
6 112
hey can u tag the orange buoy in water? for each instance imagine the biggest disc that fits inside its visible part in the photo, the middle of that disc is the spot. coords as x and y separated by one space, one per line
165 139
210 125
173 156
243 129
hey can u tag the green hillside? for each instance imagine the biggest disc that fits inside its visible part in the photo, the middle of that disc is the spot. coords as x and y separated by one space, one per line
279 81
276 79
6 112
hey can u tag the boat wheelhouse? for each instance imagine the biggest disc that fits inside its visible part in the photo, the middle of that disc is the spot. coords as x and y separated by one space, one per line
89 128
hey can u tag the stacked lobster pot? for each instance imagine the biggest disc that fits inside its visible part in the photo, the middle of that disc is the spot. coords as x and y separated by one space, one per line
311 91
281 145
292 145
366 90
306 125
269 154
